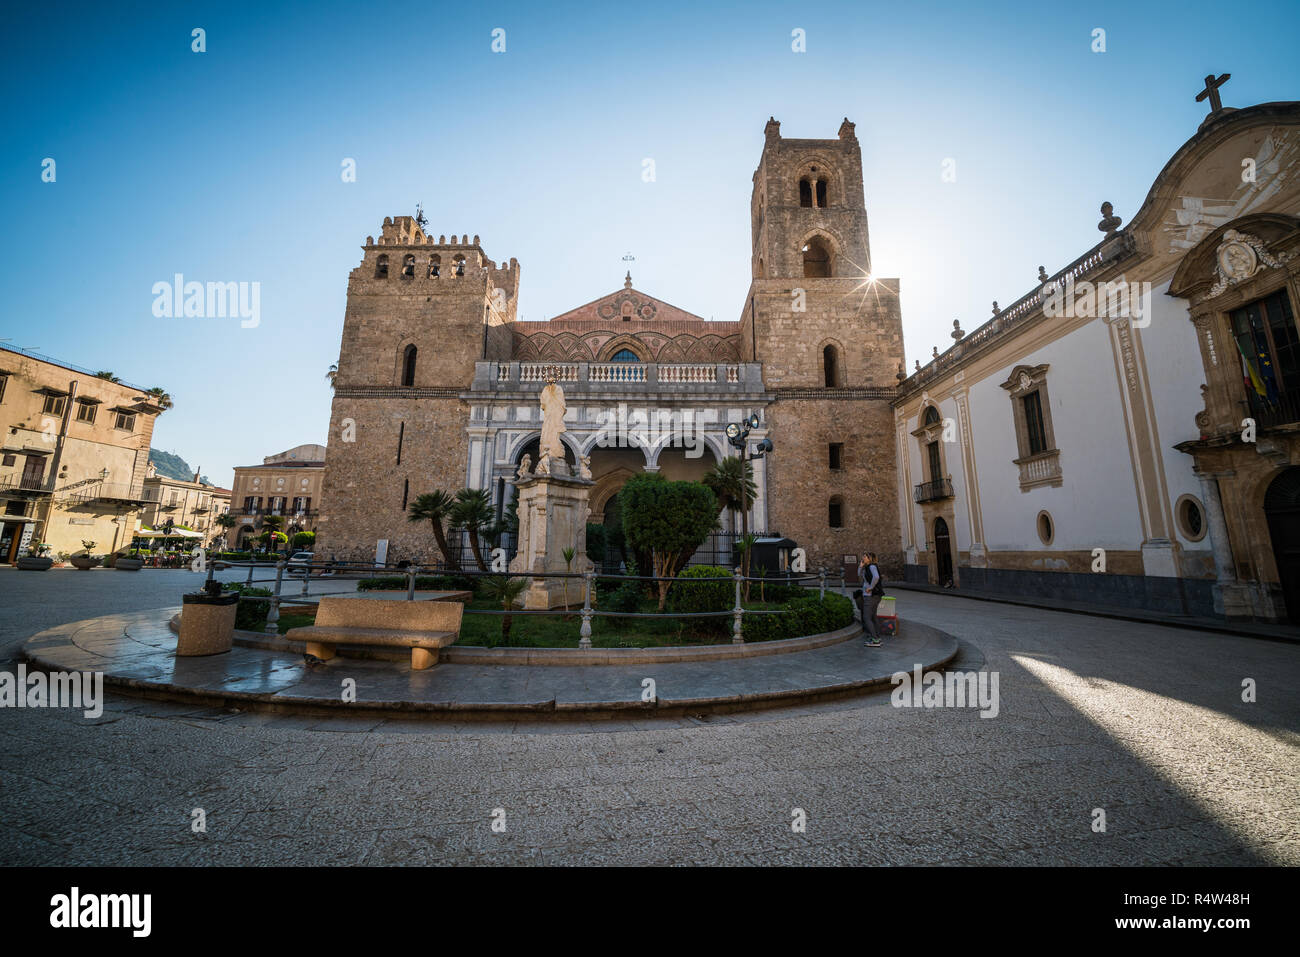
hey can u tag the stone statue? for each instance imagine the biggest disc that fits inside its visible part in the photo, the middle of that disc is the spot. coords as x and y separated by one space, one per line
584 467
525 466
553 409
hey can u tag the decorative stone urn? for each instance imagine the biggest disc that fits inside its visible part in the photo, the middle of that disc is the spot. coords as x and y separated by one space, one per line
85 562
32 563
207 622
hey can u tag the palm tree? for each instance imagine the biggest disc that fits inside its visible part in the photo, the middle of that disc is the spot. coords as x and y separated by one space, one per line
506 590
333 374
732 481
472 511
225 521
435 508
105 374
160 396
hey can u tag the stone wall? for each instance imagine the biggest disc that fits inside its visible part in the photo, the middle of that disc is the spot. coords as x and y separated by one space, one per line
365 483
801 482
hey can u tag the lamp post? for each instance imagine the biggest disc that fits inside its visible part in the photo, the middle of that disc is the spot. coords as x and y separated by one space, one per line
738 436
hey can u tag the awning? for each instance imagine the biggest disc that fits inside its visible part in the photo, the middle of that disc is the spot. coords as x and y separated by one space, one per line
20 518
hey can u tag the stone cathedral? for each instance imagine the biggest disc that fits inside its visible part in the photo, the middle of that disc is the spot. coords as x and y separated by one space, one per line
437 383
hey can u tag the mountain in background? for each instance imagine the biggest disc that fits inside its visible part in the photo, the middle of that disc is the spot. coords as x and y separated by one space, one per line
173 466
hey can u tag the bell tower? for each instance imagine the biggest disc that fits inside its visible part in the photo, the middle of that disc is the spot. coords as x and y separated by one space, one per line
816 317
809 218
828 335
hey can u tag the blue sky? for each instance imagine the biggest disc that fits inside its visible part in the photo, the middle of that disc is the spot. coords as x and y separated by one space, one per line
225 165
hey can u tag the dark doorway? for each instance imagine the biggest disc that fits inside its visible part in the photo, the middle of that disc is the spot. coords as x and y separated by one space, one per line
1282 510
943 552
11 534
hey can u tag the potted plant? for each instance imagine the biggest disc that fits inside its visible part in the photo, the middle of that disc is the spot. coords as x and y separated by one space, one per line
86 561
37 558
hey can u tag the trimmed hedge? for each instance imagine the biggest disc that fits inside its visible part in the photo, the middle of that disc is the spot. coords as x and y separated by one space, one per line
251 615
422 583
802 616
704 588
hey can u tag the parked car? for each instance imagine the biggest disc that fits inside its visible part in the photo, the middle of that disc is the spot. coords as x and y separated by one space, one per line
300 563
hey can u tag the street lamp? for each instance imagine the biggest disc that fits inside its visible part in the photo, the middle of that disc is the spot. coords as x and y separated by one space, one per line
738 436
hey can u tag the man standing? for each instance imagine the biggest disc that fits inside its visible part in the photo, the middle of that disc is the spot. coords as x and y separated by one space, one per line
873 589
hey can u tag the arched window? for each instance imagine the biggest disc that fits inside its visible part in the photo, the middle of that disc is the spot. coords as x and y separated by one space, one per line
931 415
408 266
625 355
835 512
460 265
805 192
381 267
816 259
435 266
408 366
831 366
821 193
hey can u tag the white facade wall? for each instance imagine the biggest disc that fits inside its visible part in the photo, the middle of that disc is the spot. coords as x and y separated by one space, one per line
1175 374
1097 503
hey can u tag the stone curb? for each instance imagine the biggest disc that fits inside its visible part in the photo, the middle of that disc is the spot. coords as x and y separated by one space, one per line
489 710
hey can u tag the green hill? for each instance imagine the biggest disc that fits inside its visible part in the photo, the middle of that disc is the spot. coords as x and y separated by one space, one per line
172 466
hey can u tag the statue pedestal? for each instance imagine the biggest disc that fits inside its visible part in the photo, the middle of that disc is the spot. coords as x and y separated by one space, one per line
553 510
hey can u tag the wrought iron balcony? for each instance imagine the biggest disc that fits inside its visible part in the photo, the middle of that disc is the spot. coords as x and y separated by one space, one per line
119 494
934 491
1284 410
24 484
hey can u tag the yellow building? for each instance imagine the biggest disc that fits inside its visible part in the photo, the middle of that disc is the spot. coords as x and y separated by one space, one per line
192 505
285 486
73 455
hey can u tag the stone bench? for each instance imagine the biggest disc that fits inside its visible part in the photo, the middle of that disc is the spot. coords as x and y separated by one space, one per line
422 626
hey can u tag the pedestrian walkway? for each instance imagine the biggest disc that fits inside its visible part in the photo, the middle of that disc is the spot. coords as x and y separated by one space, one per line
136 653
1248 629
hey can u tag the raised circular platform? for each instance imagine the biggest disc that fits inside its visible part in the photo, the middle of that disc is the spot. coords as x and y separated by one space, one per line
136 654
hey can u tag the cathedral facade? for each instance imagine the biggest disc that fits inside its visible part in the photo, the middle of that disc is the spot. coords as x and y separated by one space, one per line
437 383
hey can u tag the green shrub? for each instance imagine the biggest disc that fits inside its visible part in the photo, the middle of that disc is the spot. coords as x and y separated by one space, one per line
422 583
251 615
703 588
802 616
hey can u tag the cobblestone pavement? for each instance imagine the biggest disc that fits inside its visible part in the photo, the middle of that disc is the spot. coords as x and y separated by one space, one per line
1143 722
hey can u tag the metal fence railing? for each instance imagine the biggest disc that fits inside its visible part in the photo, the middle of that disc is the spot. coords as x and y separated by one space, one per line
294 570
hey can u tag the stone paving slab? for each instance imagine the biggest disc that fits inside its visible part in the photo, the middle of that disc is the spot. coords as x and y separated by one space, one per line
136 653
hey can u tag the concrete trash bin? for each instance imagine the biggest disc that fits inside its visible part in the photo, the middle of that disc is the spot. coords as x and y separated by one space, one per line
207 624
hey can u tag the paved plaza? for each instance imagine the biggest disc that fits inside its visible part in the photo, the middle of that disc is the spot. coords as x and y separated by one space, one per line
1143 722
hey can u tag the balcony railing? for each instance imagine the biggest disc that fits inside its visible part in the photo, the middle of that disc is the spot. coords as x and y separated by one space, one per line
635 376
934 491
122 493
23 483
1284 410
1042 468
